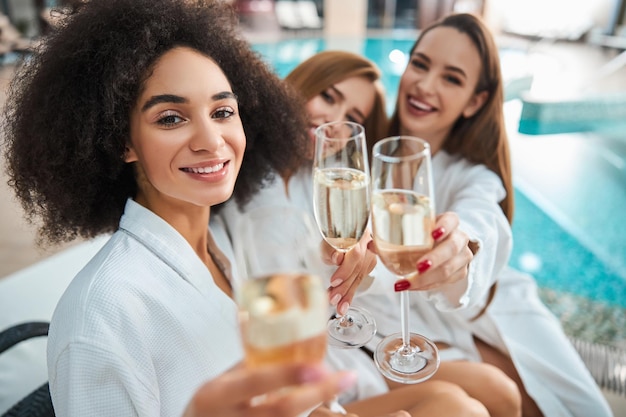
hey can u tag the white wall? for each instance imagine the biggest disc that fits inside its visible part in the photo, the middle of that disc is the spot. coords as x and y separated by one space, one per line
548 16
345 18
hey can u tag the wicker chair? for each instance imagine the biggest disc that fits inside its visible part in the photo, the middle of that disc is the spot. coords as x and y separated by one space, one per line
38 402
607 365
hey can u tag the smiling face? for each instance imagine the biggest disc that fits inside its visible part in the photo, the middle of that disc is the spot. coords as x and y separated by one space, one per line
438 85
351 99
186 135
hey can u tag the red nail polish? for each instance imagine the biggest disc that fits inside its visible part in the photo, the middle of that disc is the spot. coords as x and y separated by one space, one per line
401 285
438 232
423 266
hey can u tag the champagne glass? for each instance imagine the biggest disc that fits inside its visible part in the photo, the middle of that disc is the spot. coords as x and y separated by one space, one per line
283 307
403 215
341 205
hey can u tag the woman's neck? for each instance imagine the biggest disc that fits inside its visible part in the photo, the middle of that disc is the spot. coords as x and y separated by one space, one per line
435 140
192 222
286 176
189 220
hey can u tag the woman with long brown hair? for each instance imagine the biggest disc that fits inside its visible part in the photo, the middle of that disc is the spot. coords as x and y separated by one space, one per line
451 95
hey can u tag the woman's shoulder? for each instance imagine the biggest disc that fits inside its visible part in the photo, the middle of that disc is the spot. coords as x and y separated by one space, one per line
455 175
103 275
112 291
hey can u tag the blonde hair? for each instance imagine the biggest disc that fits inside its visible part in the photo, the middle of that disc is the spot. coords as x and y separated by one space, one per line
324 69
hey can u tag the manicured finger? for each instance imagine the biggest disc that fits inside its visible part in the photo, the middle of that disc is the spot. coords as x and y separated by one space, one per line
445 223
445 264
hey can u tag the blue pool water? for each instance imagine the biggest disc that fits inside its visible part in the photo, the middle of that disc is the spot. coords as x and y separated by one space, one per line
552 248
558 260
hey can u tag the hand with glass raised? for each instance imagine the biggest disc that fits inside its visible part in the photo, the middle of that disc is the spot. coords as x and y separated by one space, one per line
353 267
446 263
234 392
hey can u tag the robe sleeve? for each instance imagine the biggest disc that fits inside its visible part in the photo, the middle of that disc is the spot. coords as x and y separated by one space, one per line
473 192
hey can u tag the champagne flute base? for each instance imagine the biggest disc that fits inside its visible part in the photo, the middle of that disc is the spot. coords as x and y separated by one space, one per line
353 330
407 364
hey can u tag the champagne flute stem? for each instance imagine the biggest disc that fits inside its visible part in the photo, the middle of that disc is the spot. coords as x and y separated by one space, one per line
404 318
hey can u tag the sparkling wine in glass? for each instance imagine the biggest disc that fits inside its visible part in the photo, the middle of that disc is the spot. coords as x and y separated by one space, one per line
280 316
403 216
342 207
283 306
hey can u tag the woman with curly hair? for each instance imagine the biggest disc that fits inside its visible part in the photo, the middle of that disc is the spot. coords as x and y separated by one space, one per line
133 118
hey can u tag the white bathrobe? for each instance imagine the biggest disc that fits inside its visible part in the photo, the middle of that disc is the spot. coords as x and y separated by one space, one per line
141 327
516 322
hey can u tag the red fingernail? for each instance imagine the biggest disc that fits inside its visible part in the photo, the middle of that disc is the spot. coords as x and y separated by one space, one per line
401 285
423 266
438 232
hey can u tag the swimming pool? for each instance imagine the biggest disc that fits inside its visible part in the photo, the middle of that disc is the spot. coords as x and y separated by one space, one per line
570 240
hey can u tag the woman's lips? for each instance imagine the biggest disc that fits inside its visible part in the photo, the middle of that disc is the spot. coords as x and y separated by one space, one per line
206 169
209 172
419 107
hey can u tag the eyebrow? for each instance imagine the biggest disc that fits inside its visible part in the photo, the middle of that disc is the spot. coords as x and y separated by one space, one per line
173 98
447 67
338 92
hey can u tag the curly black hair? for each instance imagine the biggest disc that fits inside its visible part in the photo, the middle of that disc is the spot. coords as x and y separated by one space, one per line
67 113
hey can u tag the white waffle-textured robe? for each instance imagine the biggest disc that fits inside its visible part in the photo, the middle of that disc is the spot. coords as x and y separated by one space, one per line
141 327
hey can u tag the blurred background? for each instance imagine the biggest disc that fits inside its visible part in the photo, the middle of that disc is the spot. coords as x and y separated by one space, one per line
564 64
599 21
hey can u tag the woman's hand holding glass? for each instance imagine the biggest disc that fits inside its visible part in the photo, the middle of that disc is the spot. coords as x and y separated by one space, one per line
353 267
341 205
403 216
235 392
447 262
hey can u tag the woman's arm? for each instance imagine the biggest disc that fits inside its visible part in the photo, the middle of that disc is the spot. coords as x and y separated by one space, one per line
472 237
482 237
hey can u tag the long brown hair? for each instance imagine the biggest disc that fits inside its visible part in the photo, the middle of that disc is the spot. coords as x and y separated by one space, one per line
482 137
324 69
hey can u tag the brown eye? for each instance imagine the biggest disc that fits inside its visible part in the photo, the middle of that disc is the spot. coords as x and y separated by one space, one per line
327 97
223 113
170 120
454 80
419 64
